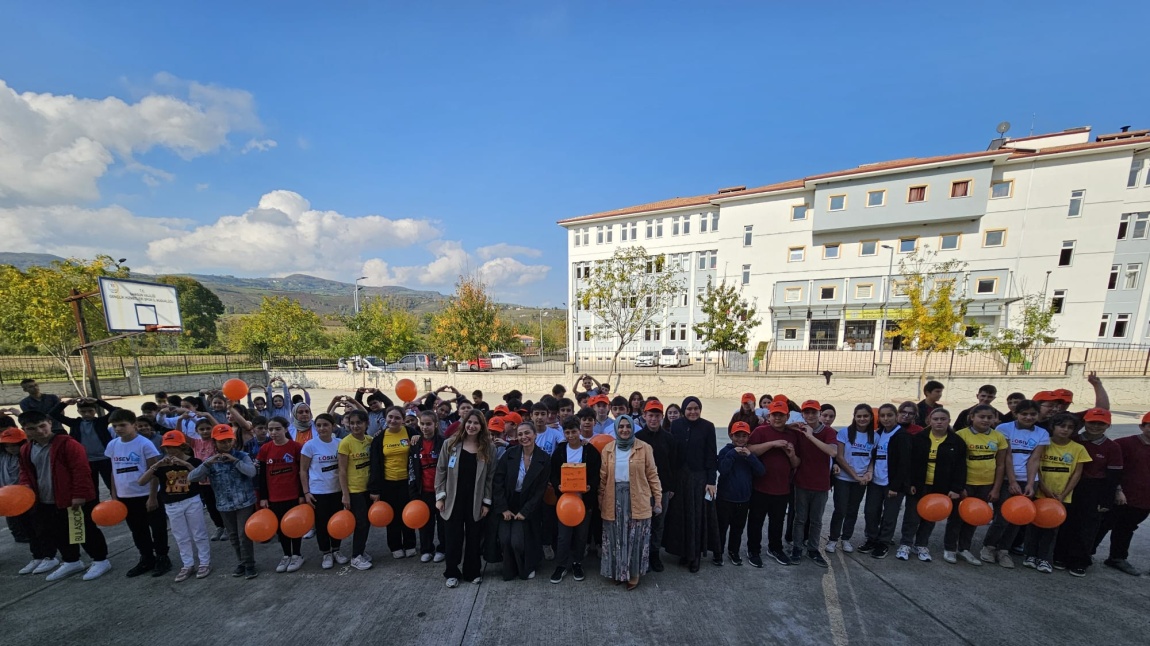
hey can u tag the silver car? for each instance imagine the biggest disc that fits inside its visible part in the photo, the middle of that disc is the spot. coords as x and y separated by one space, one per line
646 359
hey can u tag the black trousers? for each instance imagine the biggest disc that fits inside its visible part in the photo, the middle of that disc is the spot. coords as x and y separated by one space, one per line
464 538
1076 536
149 528
326 504
49 529
101 470
1121 522
360 503
290 546
773 509
732 521
399 536
431 535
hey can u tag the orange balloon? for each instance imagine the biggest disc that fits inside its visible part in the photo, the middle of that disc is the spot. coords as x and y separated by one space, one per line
600 441
109 512
380 514
975 511
405 390
297 521
235 389
549 495
934 507
262 525
1049 513
1018 510
341 524
570 509
416 514
16 500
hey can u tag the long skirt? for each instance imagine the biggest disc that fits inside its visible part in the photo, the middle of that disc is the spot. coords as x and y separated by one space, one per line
692 523
626 542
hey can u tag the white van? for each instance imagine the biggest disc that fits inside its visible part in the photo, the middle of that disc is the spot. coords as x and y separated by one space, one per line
673 358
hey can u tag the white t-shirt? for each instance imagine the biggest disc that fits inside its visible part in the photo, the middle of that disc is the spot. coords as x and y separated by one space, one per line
623 465
881 467
857 453
323 473
129 462
574 454
1022 445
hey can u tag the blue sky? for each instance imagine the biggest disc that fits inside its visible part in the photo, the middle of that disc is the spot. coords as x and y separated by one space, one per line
470 128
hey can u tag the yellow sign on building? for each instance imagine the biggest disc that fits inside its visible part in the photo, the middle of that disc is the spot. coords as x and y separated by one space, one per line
892 313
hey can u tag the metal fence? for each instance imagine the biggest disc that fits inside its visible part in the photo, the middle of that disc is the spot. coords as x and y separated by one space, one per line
14 369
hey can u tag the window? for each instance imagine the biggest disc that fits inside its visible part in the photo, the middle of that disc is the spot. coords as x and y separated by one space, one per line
610 229
1058 303
1135 171
1104 325
683 299
700 295
960 188
986 286
686 227
659 228
899 287
790 333
1138 231
586 332
830 251
656 264
599 234
994 238
799 212
875 198
1076 200
747 235
907 245
714 218
623 232
916 194
837 203
1001 189
746 274
708 259
1133 271
628 231
864 291
1121 322
682 331
1067 253
797 254
577 239
949 241
673 331
652 333
828 292
868 248
1112 283
675 227
793 295
650 229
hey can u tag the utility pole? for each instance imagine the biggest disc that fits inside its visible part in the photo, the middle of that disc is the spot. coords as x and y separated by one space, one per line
885 303
77 301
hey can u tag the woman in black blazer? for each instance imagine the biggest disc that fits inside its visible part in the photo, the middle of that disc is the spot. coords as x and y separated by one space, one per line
573 540
937 446
520 480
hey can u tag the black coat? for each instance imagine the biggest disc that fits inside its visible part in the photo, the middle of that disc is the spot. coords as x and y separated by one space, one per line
534 482
698 448
949 464
99 424
899 462
667 455
415 464
376 478
594 463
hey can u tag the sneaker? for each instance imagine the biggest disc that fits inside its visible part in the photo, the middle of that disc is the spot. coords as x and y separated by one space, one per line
360 563
203 572
47 565
970 558
531 576
328 561
411 552
867 547
97 569
1059 565
1044 567
477 580
1122 565
923 554
831 546
250 572
239 571
163 566
282 566
903 553
140 568
1005 560
366 557
880 551
424 558
184 574
220 535
950 557
755 560
717 561
817 558
848 547
453 582
780 556
1018 549
987 555
339 558
66 570
310 533
734 556
558 574
295 563
1030 562
438 557
397 554
1078 571
548 553
31 567
796 555
577 571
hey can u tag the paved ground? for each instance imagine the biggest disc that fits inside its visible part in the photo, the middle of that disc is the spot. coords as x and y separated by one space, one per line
859 600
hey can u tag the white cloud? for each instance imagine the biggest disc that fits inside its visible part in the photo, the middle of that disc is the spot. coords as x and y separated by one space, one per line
73 231
262 145
504 249
203 186
502 275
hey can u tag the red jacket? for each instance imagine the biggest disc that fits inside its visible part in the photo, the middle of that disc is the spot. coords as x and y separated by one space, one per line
71 475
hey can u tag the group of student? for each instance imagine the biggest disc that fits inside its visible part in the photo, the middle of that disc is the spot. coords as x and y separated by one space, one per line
657 483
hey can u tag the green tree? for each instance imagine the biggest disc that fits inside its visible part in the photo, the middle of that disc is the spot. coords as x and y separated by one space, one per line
626 293
728 321
937 306
200 309
470 325
280 327
381 328
1019 340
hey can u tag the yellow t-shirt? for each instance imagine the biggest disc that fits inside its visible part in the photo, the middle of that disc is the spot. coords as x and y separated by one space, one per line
981 451
358 454
1058 464
935 442
395 453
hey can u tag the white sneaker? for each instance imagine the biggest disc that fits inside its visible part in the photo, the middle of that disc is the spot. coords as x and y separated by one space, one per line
328 562
365 556
424 558
295 563
848 547
831 546
453 583
47 565
97 569
310 533
31 567
477 580
411 552
532 575
438 558
903 553
923 554
339 558
949 556
66 570
397 554
361 563
548 553
970 558
987 555
283 564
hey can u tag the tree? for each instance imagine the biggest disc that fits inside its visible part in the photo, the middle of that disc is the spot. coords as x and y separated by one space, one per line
470 324
729 320
200 308
1019 340
626 293
937 308
36 315
280 327
381 328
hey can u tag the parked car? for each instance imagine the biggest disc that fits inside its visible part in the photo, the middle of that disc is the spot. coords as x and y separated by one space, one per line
368 363
646 359
506 361
414 361
673 358
479 364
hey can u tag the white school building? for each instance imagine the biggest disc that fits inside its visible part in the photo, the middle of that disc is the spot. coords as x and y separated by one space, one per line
1064 214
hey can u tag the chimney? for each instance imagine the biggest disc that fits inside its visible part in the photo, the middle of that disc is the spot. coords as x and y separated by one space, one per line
1125 128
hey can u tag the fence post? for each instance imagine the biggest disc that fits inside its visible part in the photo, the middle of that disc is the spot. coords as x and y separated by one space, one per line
1146 364
227 366
818 360
187 368
123 370
950 369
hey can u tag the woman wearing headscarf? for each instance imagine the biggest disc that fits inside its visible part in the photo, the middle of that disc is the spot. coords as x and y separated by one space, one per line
692 521
302 426
629 495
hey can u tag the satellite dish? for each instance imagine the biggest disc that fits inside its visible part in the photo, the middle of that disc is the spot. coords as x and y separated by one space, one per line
1003 127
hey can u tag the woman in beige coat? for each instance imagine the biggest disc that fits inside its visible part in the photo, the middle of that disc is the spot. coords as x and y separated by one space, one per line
463 478
629 493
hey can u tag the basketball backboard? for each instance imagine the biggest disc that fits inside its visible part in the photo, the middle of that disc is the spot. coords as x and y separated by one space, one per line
134 306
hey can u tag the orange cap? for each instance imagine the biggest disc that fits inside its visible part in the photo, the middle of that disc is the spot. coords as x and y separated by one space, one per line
1061 394
512 418
598 399
779 398
12 436
1043 396
1096 415
176 438
654 404
810 403
778 407
223 432
1146 418
496 424
501 410
740 427
748 397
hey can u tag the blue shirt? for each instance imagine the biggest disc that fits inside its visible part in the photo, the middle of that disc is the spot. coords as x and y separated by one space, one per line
549 439
606 427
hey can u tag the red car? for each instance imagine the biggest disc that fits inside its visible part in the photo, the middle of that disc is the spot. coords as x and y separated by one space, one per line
481 364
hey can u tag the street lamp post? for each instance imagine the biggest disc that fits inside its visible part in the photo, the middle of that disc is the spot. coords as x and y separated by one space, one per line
885 303
355 295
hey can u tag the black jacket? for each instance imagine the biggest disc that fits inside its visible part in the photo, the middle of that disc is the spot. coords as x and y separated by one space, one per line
534 482
415 463
594 463
376 478
698 448
949 464
899 462
100 424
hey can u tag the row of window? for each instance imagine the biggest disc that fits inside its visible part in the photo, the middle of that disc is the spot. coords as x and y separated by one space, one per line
1130 281
866 291
1118 330
958 189
653 228
675 332
1135 179
946 242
